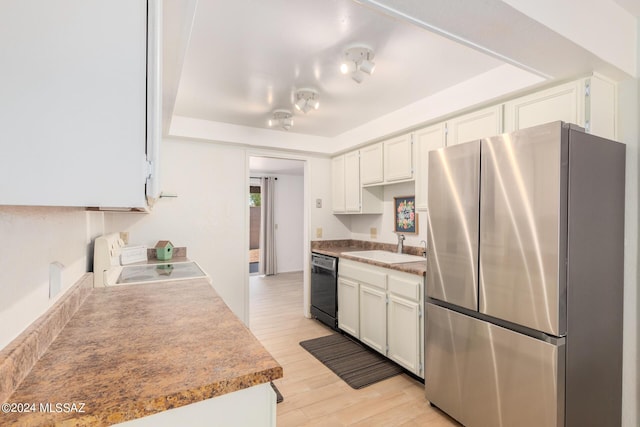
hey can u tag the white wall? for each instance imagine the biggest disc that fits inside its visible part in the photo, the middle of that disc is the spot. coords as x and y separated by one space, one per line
332 226
361 224
208 216
289 215
32 238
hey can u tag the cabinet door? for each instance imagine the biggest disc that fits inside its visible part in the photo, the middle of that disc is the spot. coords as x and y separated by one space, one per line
348 307
73 103
352 181
337 184
564 102
600 115
373 318
404 337
398 159
426 140
479 124
371 165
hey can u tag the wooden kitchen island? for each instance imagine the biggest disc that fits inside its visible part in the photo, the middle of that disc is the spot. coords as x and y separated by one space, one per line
134 351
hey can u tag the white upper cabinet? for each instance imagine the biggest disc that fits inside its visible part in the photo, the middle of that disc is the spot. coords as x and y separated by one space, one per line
426 140
337 184
398 159
600 107
564 102
476 125
589 103
387 162
348 196
73 110
352 181
371 164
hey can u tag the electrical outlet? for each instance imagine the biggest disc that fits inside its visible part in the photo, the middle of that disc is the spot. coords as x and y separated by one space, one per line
373 232
319 232
318 203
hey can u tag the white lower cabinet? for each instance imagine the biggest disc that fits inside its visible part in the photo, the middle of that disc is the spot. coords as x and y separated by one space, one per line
383 308
227 410
373 317
348 307
404 326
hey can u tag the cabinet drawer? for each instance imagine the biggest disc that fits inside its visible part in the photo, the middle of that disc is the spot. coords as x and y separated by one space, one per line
368 274
407 286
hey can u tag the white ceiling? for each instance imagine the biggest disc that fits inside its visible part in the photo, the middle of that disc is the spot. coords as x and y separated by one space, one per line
246 58
229 64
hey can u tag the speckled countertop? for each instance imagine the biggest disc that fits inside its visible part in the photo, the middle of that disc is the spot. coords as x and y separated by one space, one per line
132 351
341 249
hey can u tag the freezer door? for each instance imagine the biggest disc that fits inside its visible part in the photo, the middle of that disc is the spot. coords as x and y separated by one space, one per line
523 221
453 208
484 375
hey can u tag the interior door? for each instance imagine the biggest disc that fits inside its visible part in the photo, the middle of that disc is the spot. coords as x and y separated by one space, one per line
452 234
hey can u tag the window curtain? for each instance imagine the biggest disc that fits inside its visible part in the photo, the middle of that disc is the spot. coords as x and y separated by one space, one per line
267 229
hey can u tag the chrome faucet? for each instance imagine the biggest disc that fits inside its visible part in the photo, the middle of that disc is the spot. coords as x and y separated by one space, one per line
424 253
400 243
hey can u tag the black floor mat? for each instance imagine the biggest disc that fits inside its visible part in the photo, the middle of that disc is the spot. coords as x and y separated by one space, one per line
357 365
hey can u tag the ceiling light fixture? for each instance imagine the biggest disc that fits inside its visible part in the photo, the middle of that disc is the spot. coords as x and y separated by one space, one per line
307 99
282 119
358 60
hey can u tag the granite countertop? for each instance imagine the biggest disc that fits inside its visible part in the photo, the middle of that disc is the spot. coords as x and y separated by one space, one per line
341 249
132 351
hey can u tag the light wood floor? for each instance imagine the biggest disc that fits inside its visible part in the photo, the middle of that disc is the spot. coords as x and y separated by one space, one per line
313 395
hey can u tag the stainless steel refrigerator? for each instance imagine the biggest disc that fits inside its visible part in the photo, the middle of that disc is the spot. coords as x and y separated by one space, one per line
523 323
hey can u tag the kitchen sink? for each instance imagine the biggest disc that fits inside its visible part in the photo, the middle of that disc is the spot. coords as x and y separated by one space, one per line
386 256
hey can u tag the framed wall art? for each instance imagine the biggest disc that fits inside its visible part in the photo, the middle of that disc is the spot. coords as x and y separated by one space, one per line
406 219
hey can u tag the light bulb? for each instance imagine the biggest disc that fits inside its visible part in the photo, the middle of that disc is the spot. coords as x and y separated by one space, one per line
347 67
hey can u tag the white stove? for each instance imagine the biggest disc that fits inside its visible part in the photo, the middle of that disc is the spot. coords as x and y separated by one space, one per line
109 271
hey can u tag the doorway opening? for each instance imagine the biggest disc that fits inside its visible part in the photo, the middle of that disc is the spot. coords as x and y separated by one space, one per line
255 214
276 215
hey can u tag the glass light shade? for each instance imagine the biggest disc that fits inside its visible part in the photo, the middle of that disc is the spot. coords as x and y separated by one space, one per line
300 103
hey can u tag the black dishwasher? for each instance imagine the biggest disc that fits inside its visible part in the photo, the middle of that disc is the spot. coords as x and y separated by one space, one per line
324 289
